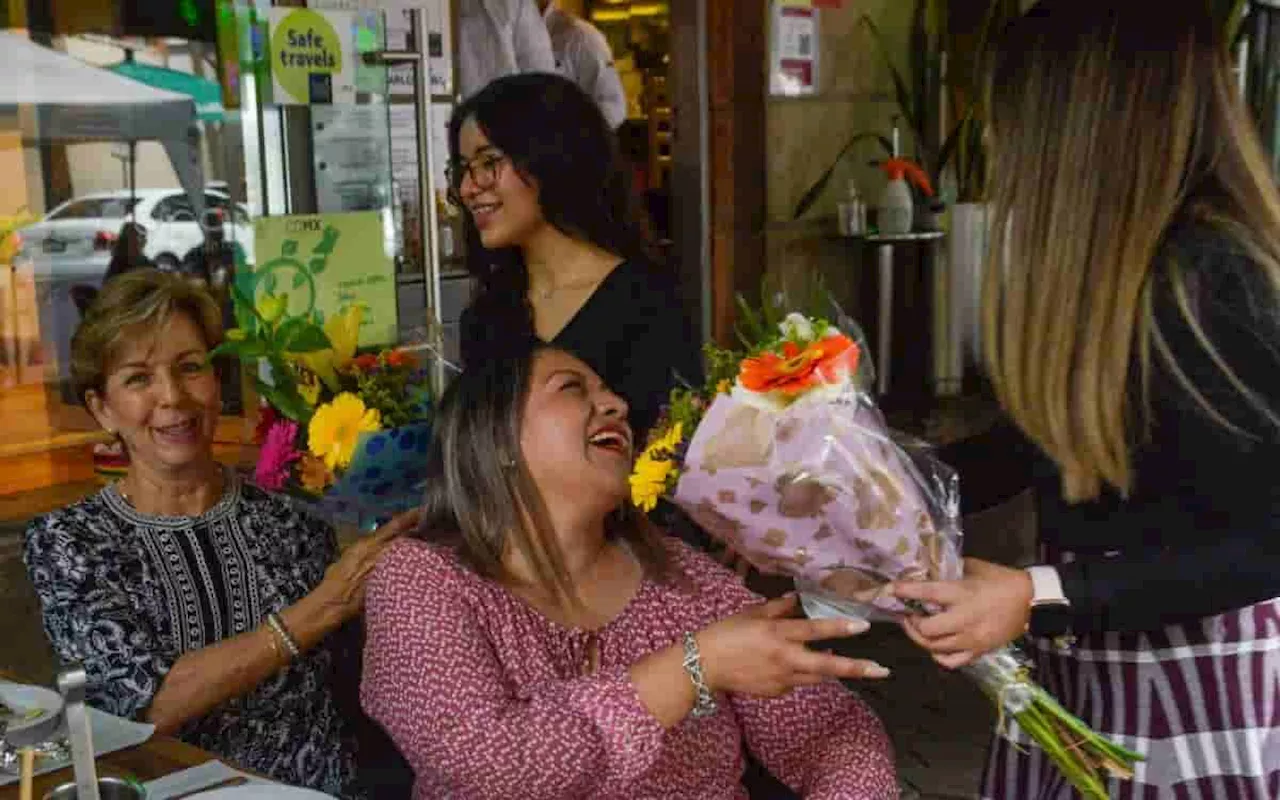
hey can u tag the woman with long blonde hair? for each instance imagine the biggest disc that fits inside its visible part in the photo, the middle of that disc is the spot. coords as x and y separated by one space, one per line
1132 331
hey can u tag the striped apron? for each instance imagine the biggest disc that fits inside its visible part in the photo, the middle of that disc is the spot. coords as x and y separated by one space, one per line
1200 700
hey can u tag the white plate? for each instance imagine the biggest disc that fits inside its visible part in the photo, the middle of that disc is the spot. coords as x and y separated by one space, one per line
273 792
21 697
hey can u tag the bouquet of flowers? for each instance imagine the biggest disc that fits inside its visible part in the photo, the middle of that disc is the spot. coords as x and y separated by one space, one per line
347 429
785 458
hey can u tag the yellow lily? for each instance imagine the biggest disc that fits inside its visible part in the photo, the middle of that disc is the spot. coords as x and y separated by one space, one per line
271 307
343 330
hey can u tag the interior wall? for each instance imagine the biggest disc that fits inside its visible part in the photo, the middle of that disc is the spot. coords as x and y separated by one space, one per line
854 94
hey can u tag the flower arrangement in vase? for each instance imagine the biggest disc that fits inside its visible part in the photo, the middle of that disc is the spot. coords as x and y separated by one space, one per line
345 428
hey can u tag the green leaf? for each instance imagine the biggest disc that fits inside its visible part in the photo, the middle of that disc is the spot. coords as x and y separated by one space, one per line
286 400
269 283
905 100
246 350
316 266
299 280
281 374
244 305
301 335
289 248
811 195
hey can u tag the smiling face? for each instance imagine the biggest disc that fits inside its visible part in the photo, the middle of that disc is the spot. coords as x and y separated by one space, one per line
574 435
503 203
162 397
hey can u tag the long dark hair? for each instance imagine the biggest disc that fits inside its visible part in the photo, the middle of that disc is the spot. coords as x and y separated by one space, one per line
480 497
555 136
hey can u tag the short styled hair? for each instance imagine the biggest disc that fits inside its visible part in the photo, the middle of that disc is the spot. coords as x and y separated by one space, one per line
130 306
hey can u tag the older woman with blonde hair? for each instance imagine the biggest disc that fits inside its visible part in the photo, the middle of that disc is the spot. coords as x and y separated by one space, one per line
1132 330
193 600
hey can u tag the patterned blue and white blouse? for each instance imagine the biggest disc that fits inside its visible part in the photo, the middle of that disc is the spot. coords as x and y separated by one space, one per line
126 594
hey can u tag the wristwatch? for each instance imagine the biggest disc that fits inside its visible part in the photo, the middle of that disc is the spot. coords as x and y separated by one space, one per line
1050 608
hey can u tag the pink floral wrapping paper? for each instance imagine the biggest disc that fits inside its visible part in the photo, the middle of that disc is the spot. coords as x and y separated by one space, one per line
822 492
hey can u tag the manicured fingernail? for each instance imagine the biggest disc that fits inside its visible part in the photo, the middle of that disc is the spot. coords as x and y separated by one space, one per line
876 671
856 626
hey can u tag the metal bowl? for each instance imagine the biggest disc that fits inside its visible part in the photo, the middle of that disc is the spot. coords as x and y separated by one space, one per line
108 789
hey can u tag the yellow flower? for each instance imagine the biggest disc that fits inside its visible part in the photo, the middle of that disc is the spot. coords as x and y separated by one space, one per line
308 386
343 330
271 307
649 481
336 427
315 476
667 442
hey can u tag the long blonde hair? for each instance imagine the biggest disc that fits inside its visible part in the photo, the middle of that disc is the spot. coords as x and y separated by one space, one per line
1109 123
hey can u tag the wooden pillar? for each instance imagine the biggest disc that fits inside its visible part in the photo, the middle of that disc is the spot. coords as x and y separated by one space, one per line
737 40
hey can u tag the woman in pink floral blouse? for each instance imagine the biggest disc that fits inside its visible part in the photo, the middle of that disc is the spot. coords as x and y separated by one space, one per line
539 641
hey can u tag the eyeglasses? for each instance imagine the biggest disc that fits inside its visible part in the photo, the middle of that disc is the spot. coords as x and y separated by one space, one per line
484 170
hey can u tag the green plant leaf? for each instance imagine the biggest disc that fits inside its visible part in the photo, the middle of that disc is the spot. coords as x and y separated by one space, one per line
244 305
269 283
301 335
284 399
811 195
902 91
299 280
289 248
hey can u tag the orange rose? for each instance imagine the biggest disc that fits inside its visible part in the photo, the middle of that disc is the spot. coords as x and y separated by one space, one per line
796 371
365 363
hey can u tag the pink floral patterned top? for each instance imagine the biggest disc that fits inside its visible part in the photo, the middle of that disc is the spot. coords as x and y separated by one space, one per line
487 698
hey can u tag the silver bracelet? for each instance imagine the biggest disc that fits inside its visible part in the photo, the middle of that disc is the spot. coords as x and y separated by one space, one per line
704 702
286 638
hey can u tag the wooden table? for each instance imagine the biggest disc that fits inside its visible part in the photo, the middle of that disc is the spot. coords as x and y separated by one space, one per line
152 759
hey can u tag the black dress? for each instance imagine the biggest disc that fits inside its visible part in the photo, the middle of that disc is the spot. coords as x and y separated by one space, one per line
633 331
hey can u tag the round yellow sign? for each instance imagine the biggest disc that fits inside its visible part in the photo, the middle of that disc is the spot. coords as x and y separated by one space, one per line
304 44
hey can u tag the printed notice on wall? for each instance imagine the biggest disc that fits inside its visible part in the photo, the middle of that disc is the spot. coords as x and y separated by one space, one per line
326 262
313 58
794 58
399 27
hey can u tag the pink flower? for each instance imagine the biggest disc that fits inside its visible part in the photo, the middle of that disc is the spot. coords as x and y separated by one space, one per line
277 455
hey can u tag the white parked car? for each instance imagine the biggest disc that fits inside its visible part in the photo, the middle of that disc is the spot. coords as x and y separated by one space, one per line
75 239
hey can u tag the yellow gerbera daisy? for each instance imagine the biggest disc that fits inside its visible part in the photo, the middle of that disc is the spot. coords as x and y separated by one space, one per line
649 481
667 442
336 427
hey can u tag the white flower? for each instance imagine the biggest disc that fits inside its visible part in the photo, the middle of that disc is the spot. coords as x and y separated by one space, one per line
797 327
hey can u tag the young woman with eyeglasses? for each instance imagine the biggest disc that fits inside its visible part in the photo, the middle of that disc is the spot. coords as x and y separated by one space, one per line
556 245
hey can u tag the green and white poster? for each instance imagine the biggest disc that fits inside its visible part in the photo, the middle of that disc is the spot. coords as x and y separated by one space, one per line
326 262
313 57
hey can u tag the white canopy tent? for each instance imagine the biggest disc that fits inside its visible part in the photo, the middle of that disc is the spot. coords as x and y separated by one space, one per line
78 102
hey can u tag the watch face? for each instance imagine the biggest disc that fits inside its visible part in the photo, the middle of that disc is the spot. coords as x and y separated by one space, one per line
1051 619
